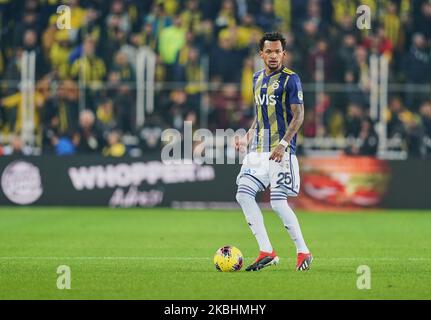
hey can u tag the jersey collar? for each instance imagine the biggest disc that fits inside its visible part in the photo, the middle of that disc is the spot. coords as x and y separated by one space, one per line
273 73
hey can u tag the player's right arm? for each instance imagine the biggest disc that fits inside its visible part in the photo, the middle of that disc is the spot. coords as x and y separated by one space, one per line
241 143
244 141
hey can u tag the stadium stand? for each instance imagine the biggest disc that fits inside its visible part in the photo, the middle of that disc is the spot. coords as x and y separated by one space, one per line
86 77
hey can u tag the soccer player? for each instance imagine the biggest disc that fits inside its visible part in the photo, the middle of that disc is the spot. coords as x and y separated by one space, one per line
272 160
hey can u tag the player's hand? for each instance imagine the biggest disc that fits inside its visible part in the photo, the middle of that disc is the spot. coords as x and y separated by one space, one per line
241 143
278 153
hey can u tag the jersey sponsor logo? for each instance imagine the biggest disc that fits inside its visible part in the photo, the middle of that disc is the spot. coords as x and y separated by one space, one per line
265 99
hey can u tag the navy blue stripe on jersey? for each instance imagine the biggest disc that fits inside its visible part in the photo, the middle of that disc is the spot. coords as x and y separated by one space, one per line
289 115
264 109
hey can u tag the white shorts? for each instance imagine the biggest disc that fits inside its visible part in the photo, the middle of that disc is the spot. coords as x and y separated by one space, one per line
284 174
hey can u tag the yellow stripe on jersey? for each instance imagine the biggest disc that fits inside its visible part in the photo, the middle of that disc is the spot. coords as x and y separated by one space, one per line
288 71
274 137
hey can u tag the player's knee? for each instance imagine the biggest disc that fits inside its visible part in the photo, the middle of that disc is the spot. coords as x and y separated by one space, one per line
278 205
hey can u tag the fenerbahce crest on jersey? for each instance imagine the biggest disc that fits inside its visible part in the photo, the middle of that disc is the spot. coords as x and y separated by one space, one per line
273 95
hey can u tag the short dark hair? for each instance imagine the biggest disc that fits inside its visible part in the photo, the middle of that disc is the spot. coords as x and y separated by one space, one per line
272 36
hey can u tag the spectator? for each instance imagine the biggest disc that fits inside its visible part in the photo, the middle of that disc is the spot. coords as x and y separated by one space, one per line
89 67
30 21
172 39
124 68
150 135
158 19
225 59
123 99
115 147
59 54
17 147
61 115
247 97
378 43
309 126
87 140
355 115
118 12
64 146
91 26
266 18
226 16
148 38
346 52
320 54
248 33
397 113
362 69
422 22
227 103
368 141
13 71
106 120
191 17
425 114
417 68
392 24
101 48
193 76
176 108
14 108
48 36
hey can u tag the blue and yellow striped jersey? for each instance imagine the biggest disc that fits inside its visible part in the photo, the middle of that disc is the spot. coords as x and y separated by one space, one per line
273 95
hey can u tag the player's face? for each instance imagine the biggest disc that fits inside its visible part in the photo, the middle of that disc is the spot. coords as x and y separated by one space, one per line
272 54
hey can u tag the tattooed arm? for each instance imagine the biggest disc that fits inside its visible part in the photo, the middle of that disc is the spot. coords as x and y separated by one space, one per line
295 124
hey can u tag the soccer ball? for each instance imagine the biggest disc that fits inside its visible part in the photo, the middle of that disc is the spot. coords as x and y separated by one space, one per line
228 258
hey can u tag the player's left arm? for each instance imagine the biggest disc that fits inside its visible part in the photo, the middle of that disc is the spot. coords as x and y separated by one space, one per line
296 102
295 124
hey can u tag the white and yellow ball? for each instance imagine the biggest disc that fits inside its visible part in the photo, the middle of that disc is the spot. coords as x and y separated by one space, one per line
228 258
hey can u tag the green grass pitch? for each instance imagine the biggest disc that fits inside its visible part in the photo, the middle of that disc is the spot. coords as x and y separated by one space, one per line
167 254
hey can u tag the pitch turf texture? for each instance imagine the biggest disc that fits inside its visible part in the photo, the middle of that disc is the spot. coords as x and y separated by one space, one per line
167 254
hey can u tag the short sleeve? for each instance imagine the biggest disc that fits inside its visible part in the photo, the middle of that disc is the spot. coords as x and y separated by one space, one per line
294 90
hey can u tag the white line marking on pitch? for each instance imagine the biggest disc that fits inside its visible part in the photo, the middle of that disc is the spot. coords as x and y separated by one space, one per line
208 258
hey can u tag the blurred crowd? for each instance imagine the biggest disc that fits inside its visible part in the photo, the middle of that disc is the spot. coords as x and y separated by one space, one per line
206 53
